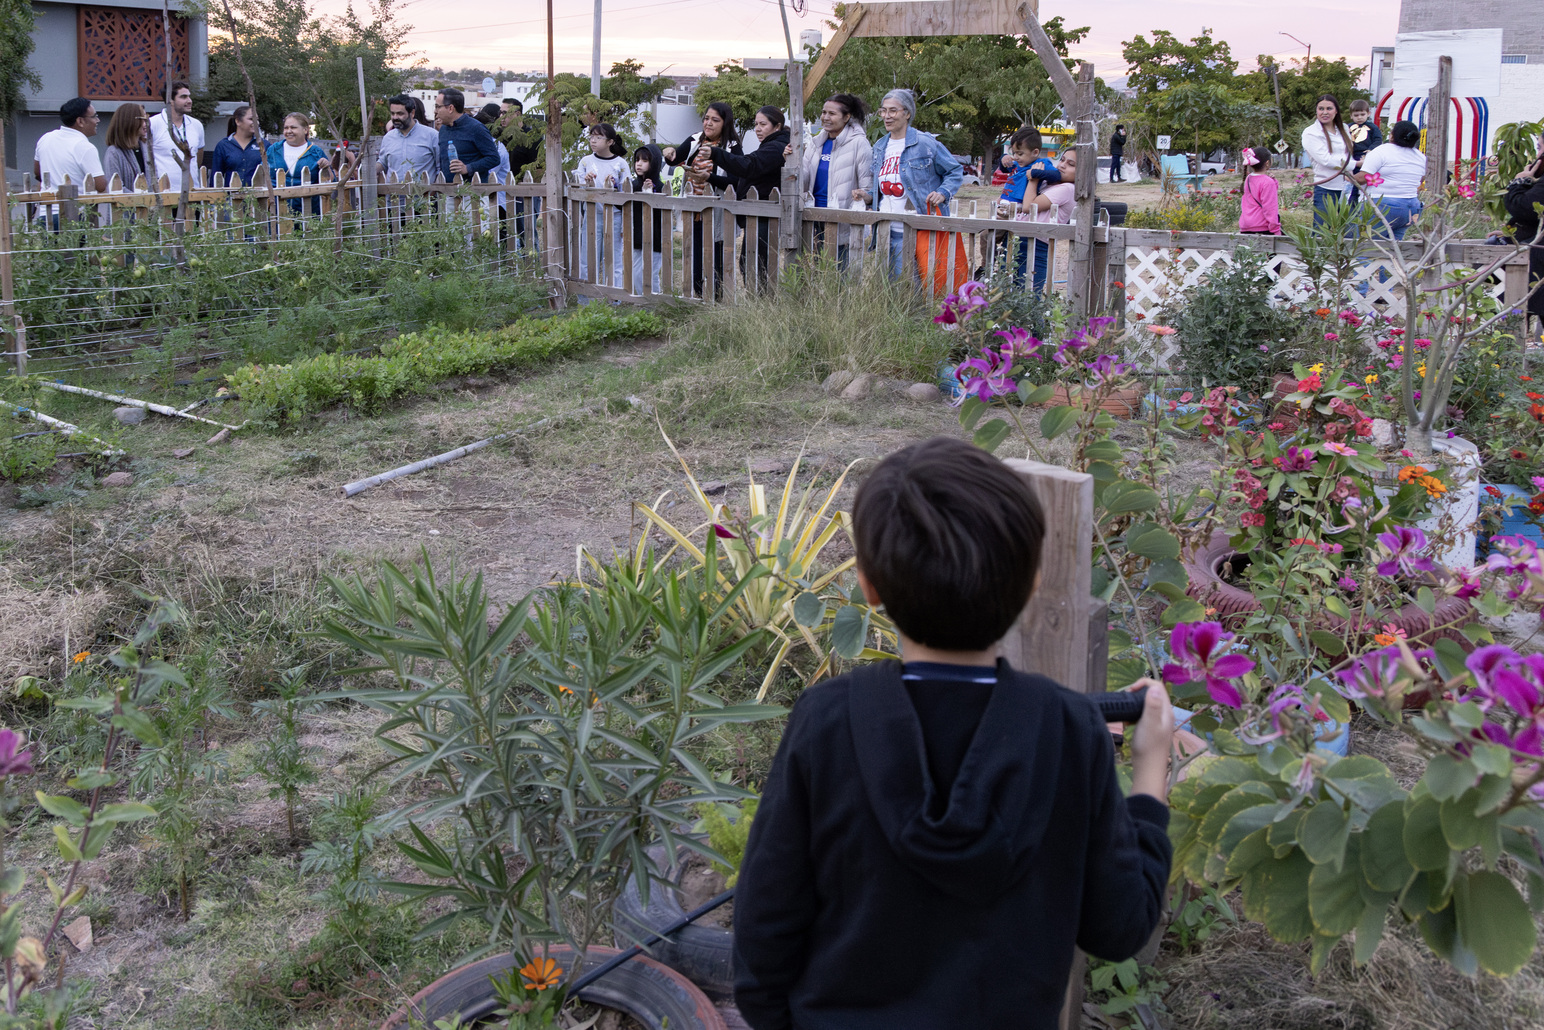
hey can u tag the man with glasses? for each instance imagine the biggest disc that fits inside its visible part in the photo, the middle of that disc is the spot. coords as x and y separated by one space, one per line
68 151
476 153
171 128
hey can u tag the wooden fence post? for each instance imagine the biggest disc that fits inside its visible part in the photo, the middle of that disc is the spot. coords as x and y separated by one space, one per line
1051 636
1437 102
791 192
1081 269
7 282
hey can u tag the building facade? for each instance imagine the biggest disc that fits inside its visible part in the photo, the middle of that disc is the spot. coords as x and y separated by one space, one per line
111 52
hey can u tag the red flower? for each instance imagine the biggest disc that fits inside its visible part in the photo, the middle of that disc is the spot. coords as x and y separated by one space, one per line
1518 455
1493 491
1534 396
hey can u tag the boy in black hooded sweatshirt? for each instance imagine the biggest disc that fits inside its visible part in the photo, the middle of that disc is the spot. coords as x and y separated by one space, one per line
935 837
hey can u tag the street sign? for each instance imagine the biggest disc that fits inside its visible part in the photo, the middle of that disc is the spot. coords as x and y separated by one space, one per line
1164 142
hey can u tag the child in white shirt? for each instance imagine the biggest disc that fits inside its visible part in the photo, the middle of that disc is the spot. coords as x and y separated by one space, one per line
605 167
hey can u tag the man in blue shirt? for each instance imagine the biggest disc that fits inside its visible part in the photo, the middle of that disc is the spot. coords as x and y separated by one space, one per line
476 153
409 147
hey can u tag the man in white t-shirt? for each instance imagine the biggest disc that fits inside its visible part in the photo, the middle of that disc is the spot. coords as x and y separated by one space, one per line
173 126
68 151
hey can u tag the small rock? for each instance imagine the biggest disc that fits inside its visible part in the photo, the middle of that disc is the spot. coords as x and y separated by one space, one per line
119 479
640 404
129 415
927 393
434 532
183 452
1383 432
714 486
220 437
79 933
768 467
859 388
837 381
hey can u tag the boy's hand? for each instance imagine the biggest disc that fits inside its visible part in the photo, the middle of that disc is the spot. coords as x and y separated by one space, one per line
1151 742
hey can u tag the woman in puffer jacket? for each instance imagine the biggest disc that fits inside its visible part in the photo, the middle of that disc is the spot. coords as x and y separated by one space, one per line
837 171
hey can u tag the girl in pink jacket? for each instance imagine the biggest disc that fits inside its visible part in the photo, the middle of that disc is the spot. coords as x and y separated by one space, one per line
1260 214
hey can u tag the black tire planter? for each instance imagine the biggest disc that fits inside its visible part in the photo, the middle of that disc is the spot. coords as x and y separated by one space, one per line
655 995
704 954
1234 604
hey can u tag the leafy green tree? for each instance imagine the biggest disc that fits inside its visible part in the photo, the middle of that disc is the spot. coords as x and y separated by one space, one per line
1301 88
623 94
971 90
1166 61
16 46
1186 89
743 92
300 61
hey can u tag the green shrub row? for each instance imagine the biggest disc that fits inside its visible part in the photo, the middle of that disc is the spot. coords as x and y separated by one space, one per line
412 363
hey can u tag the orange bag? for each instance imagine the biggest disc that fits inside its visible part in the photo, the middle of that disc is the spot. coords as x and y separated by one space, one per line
938 244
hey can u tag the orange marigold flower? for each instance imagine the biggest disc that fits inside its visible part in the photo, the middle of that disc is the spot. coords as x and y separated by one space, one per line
541 973
1411 472
1433 485
82 656
1323 312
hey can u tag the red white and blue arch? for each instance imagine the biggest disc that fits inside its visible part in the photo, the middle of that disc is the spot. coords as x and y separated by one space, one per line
1471 133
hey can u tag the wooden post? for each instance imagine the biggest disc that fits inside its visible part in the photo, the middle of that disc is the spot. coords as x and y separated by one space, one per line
854 16
791 192
1437 102
367 150
1061 78
554 177
1080 271
1052 635
8 326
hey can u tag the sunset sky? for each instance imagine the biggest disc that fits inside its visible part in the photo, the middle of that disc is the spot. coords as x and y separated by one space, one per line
690 36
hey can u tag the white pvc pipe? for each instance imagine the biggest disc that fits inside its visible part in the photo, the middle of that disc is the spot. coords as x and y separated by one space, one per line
159 409
63 427
360 486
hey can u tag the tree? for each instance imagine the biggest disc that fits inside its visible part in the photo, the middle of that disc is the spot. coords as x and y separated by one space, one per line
1301 88
743 92
1187 89
971 90
16 45
301 62
1166 62
623 93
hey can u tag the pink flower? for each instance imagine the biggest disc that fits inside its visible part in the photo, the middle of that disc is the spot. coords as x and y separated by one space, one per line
1340 448
724 532
1404 545
986 377
962 306
1466 191
1374 179
1332 336
1346 583
1163 330
1199 651
13 762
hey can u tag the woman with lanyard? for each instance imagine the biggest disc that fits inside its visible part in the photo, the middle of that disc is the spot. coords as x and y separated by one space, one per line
837 170
1329 147
717 129
908 165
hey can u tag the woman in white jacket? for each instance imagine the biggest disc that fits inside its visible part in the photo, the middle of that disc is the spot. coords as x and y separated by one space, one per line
837 169
1329 148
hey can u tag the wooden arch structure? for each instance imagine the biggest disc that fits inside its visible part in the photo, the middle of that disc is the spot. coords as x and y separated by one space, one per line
899 18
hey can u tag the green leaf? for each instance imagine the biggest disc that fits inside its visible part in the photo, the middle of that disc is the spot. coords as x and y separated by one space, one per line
67 849
1463 828
1187 610
13 880
1319 954
1251 851
1283 834
1335 894
1425 846
1323 834
1440 932
990 436
1122 672
971 410
139 726
1030 394
1327 642
1425 600
1168 571
1384 863
1284 898
126 812
1494 922
1127 498
1245 795
1103 450
90 779
809 609
1335 606
1057 421
848 630
1450 657
1154 542
1447 777
1369 928
68 809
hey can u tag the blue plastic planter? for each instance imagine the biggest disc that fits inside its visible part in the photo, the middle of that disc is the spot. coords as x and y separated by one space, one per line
1516 522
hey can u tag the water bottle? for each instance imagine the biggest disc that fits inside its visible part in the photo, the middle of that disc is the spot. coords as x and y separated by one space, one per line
450 154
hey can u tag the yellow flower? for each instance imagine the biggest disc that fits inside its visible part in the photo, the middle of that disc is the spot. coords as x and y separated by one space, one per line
1411 472
541 973
1433 485
82 656
1420 369
1371 379
1316 368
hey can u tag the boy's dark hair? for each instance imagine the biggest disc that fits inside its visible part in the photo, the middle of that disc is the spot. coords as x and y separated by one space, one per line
1359 105
489 113
1029 139
72 111
949 537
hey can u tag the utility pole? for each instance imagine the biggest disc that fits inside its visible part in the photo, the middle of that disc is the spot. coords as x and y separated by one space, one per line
1294 39
595 54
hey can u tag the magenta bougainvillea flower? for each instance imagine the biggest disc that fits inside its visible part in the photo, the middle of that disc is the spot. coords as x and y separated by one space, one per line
1283 700
1404 545
985 377
963 305
1106 367
1200 652
13 761
1297 459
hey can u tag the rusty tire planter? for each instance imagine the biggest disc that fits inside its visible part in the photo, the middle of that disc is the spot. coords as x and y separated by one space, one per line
655 995
1234 604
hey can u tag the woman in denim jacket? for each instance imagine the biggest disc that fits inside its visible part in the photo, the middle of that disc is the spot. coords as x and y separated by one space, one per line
909 166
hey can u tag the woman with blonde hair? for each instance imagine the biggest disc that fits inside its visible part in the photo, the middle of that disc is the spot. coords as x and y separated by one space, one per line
128 137
1328 145
296 153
